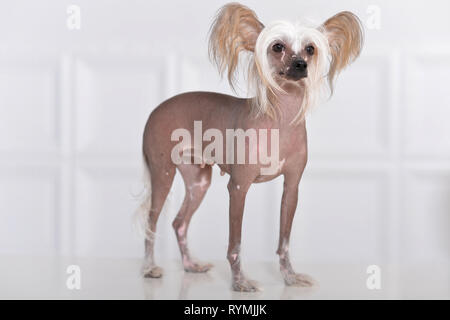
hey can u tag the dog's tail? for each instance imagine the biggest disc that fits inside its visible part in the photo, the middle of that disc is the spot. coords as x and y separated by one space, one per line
142 214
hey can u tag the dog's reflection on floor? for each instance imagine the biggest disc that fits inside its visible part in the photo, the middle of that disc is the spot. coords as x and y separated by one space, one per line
153 287
297 293
287 293
189 282
192 279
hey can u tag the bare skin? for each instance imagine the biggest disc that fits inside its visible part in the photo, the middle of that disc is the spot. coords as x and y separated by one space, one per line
222 112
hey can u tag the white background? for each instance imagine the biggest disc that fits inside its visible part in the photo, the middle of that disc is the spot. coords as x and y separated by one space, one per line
73 104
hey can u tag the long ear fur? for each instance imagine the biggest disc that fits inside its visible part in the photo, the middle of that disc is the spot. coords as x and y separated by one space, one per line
345 37
235 29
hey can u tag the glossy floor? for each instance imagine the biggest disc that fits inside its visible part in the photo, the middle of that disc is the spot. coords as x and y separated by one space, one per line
46 278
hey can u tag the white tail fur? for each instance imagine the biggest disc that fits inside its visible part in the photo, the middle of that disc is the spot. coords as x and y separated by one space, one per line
141 216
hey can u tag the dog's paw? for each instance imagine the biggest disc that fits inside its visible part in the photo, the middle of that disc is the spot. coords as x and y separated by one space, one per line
152 272
197 267
244 285
298 280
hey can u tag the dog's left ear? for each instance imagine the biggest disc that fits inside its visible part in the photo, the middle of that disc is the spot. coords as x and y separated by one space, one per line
344 32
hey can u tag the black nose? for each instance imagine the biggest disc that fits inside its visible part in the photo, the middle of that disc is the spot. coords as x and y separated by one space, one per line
299 65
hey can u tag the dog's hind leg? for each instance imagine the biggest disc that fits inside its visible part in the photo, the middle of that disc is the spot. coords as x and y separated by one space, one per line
197 181
161 181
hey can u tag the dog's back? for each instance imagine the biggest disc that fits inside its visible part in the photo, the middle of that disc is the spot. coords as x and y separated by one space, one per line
214 110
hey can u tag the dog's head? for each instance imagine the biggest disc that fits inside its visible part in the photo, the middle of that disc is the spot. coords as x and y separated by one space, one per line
283 52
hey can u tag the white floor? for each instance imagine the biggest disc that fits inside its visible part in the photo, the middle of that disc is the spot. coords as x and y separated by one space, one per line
45 278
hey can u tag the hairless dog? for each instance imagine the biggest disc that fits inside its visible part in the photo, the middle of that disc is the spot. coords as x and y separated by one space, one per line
289 65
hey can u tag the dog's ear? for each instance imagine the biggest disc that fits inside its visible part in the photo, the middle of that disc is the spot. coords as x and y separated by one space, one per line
345 38
235 28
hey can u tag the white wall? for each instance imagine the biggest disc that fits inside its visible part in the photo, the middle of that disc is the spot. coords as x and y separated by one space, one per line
73 105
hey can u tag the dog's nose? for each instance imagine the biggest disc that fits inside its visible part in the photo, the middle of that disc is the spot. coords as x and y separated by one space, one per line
297 70
299 65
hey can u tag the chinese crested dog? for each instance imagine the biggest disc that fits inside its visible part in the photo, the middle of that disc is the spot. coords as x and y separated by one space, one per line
291 66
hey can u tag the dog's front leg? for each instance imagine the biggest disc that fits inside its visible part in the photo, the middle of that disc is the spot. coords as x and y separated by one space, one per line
237 193
288 206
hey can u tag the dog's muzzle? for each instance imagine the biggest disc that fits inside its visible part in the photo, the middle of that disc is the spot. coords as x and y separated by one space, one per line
298 70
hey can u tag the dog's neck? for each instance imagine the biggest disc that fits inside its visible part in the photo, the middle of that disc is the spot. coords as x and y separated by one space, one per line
288 102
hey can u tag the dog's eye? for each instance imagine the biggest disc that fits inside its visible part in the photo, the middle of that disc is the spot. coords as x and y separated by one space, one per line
277 47
310 50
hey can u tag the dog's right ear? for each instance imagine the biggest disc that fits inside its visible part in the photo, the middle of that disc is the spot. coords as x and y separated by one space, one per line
235 28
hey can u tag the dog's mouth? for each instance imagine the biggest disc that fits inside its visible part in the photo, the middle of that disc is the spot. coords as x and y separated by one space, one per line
292 76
